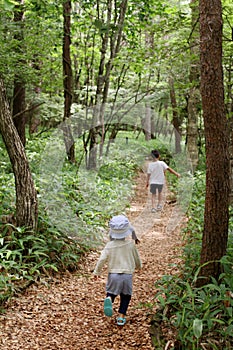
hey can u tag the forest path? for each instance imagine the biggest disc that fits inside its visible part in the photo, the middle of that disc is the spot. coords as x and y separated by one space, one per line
68 313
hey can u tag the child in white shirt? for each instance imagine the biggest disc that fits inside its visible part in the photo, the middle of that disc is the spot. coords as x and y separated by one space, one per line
156 178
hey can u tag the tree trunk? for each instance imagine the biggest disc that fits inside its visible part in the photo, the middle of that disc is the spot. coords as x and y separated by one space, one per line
194 92
147 122
229 105
67 75
215 235
104 74
231 160
175 120
19 104
26 197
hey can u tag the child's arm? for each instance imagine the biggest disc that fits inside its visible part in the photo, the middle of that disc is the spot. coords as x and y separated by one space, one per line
137 259
135 238
138 263
172 171
100 263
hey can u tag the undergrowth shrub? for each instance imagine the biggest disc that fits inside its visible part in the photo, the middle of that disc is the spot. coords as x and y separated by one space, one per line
200 318
27 256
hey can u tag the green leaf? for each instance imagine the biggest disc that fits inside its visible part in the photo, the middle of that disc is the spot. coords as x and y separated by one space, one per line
229 311
197 327
8 5
8 254
161 300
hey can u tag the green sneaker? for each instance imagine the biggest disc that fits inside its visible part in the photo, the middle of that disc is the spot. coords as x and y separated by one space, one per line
108 307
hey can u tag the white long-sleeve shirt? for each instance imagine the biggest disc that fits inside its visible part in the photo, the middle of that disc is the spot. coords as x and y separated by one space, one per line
121 257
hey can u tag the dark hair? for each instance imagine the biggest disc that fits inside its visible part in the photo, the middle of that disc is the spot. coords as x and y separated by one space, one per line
155 153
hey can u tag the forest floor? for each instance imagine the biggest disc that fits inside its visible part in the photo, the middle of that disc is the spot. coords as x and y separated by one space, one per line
67 312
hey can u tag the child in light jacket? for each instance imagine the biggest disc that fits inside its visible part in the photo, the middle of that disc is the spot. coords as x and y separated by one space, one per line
122 258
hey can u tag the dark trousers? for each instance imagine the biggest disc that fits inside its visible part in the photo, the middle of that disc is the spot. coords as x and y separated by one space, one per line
124 302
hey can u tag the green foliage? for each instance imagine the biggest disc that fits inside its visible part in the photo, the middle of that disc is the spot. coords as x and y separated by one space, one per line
97 195
49 111
36 57
155 46
27 256
8 5
194 229
200 317
120 169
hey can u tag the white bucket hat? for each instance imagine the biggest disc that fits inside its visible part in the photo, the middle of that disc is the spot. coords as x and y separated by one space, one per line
120 227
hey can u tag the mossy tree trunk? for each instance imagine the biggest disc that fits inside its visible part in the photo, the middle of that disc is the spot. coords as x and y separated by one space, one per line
26 196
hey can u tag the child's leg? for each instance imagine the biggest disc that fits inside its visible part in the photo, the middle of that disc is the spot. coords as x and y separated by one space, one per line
108 301
160 188
112 296
160 198
153 195
124 303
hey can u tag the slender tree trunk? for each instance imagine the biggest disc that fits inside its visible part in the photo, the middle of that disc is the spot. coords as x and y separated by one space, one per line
229 105
19 104
231 160
215 235
104 76
115 41
67 75
92 161
194 92
175 120
26 197
147 122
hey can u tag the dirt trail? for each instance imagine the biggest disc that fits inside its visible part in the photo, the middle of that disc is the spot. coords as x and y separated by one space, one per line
68 313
